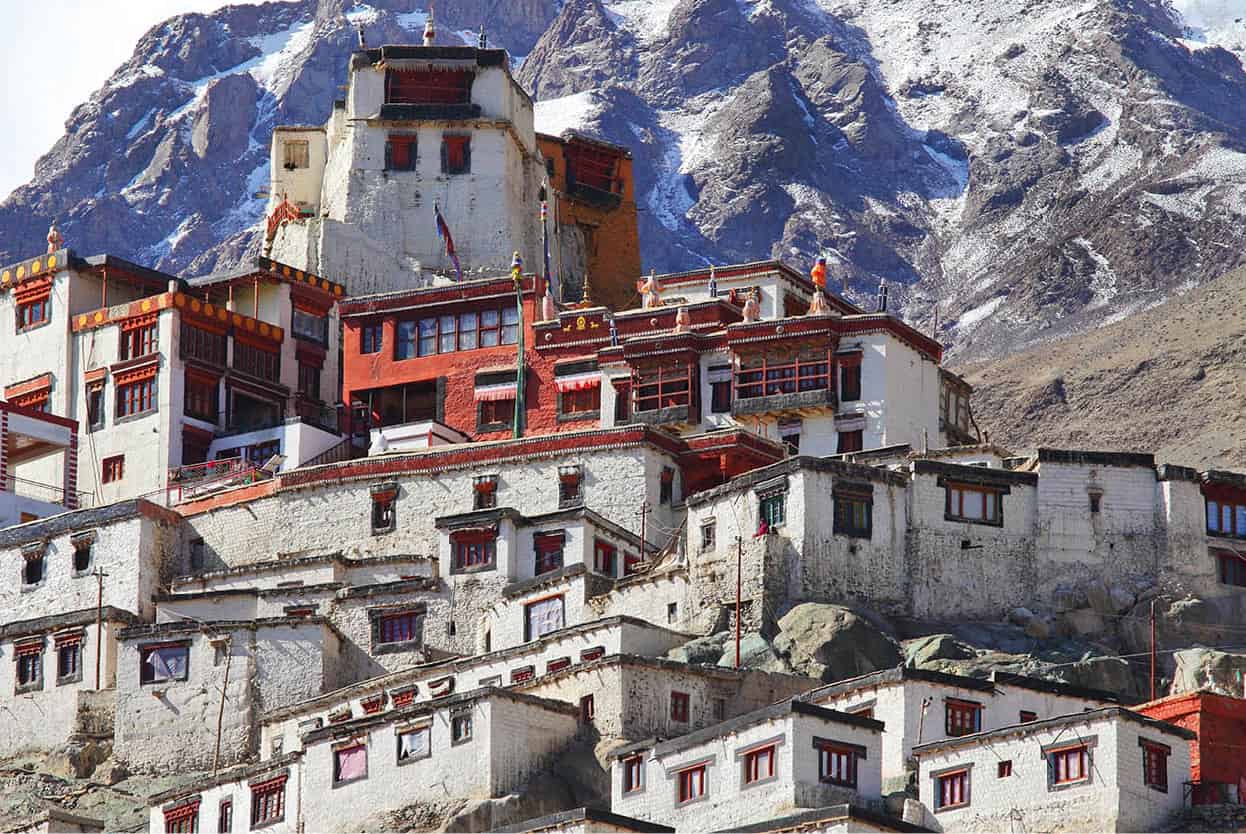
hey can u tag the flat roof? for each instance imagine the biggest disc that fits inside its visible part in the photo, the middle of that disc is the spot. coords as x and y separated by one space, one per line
84 519
803 820
1032 727
898 674
575 815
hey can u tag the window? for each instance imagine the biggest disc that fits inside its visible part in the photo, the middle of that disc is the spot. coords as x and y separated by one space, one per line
1068 764
1226 518
1232 568
33 313
184 819
164 662
225 817
587 709
201 397
198 550
952 790
95 406
29 665
605 557
403 627
975 504
1096 501
672 612
720 709
837 764
853 514
311 327
569 485
136 397
69 660
485 492
708 534
204 345
692 783
850 441
33 569
962 717
113 469
633 774
548 549
456 154
622 402
400 152
371 338
296 154
759 764
350 763
1027 716
383 517
138 340
404 341
1155 765
474 550
428 86
773 510
268 800
414 744
790 438
1004 769
666 486
850 379
720 397
494 414
460 728
863 712
82 555
542 616
257 362
679 707
580 402
450 333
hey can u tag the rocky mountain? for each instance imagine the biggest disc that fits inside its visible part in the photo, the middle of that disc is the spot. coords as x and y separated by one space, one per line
1016 170
1168 379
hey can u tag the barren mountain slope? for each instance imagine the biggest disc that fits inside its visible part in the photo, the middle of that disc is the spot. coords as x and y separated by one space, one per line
1170 379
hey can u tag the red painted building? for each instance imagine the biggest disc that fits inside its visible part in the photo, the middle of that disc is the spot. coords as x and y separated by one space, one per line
1218 755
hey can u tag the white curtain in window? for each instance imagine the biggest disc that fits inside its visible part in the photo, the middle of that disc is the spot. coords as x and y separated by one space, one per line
414 744
973 504
167 663
544 616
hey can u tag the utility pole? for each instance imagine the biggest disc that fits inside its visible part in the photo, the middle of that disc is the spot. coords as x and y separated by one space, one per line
220 715
99 622
739 562
644 511
1152 649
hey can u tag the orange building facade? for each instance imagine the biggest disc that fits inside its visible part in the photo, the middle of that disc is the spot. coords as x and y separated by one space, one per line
1218 755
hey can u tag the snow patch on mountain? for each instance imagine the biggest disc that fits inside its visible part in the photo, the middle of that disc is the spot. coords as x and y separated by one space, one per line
573 112
1213 23
647 20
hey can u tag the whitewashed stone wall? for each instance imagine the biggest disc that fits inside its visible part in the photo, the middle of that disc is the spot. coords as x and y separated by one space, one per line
234 786
1112 798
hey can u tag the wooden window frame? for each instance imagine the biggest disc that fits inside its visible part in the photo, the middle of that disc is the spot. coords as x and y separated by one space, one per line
959 707
849 378
456 154
752 764
139 339
847 754
1027 716
112 469
708 542
145 651
588 709
848 442
633 774
1004 769
475 554
605 557
527 615
28 674
961 775
183 818
225 816
136 398
403 731
681 707
1155 764
268 802
846 507
371 338
406 621
1059 757
580 404
1230 569
685 783
401 152
295 154
954 503
34 312
766 517
337 751
460 728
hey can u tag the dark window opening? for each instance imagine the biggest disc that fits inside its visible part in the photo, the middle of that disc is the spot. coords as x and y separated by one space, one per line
428 86
33 570
456 154
854 515
400 153
850 441
850 381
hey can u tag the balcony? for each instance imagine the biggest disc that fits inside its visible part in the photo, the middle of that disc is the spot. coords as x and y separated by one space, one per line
22 500
664 396
412 437
789 387
41 457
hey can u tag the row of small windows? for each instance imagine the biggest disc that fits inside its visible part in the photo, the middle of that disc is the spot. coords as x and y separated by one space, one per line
34 565
445 334
28 658
267 806
400 153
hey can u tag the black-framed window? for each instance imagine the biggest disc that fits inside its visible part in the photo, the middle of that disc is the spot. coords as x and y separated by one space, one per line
310 327
29 662
772 509
850 380
309 381
164 662
854 513
400 152
68 661
371 338
34 568
456 153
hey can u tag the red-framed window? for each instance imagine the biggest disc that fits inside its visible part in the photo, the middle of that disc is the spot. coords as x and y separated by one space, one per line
720 397
1069 764
202 399
523 674
1155 765
952 790
849 441
691 783
769 380
400 152
29 664
137 396
33 313
580 401
679 706
557 665
259 362
398 628
112 469
268 801
450 333
588 709
663 388
428 86
495 413
225 817
605 557
184 819
371 338
1226 516
837 764
974 503
548 548
404 699
475 549
962 717
849 378
138 337
1004 769
460 728
633 774
309 381
456 153
542 616
759 764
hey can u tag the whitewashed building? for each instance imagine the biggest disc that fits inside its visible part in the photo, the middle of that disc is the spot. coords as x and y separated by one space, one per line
752 768
1100 770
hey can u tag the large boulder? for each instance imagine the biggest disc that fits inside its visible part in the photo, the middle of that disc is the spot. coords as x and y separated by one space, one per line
1209 669
1107 673
1110 598
701 650
832 642
1083 622
921 652
755 653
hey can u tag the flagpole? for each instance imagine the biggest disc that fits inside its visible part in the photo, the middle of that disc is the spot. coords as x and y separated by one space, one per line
517 277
